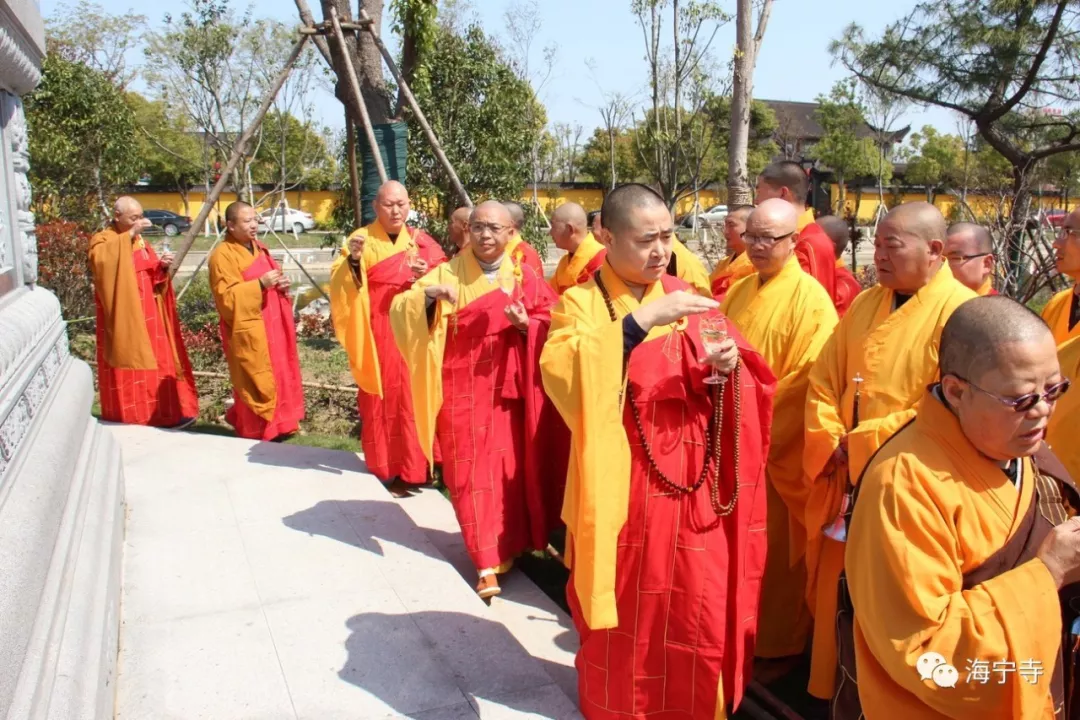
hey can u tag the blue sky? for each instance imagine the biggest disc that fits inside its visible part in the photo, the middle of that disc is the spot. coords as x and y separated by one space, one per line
794 64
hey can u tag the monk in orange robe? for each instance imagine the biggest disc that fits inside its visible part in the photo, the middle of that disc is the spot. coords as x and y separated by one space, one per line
665 499
378 262
847 285
960 549
144 375
1062 313
787 180
521 252
471 331
595 223
970 252
787 316
863 387
584 253
257 331
736 265
1061 435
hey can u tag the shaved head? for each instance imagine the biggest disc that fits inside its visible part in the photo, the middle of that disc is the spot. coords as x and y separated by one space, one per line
838 231
124 203
993 352
909 247
494 222
622 202
771 231
982 240
1067 246
232 210
459 227
921 219
569 226
740 211
391 188
462 214
786 180
517 214
974 338
735 226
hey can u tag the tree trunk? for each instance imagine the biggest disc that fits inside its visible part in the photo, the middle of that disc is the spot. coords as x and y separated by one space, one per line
738 182
1018 221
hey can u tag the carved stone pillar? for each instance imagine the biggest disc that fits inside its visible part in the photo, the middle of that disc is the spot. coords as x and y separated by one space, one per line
61 484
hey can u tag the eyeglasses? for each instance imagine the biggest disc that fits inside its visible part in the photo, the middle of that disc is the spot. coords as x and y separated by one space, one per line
478 228
961 259
1065 232
1024 403
764 239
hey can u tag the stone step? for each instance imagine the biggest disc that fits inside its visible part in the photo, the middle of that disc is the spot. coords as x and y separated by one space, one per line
264 580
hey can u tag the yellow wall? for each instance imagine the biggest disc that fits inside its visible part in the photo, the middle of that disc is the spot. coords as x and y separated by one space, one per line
320 203
983 206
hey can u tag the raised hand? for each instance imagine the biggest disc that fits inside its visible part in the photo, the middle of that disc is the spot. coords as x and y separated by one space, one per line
517 315
726 358
672 307
167 258
356 247
270 278
1060 552
442 292
419 267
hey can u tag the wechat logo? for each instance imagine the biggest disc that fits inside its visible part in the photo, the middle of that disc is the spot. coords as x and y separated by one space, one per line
932 666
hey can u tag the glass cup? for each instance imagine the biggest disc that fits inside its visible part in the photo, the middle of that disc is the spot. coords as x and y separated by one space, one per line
713 331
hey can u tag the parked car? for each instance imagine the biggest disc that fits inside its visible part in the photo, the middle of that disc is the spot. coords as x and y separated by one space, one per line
166 222
1056 218
286 220
713 216
1046 218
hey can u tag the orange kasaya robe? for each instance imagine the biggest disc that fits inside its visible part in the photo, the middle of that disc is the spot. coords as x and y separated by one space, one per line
1056 314
729 271
787 319
664 593
574 269
144 375
1063 433
522 253
847 287
686 266
259 339
931 509
895 352
360 302
816 253
476 386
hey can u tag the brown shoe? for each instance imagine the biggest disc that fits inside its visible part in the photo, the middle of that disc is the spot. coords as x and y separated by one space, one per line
398 488
488 587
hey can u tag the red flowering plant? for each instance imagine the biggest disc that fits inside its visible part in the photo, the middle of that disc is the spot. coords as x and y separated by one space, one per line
64 267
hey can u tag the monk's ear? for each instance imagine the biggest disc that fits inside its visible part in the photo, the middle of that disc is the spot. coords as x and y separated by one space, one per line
953 389
605 237
937 247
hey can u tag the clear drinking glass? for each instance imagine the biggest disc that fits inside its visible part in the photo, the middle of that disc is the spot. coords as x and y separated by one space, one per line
713 332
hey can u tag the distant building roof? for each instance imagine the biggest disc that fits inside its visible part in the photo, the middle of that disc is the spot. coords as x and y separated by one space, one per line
798 120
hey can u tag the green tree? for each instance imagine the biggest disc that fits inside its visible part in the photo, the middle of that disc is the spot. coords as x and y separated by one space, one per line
85 33
996 62
936 161
840 115
168 148
292 153
603 151
474 103
81 146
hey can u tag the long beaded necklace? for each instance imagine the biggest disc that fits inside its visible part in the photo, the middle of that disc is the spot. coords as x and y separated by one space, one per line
712 445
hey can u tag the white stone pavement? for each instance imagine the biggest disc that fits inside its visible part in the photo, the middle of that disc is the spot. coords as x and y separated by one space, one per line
266 581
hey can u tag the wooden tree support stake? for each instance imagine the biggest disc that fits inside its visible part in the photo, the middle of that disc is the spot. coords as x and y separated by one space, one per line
369 25
238 150
350 71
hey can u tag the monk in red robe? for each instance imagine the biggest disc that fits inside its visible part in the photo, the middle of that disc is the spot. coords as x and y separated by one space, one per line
847 285
378 262
814 249
144 376
665 499
257 331
584 253
471 331
521 252
969 249
736 264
